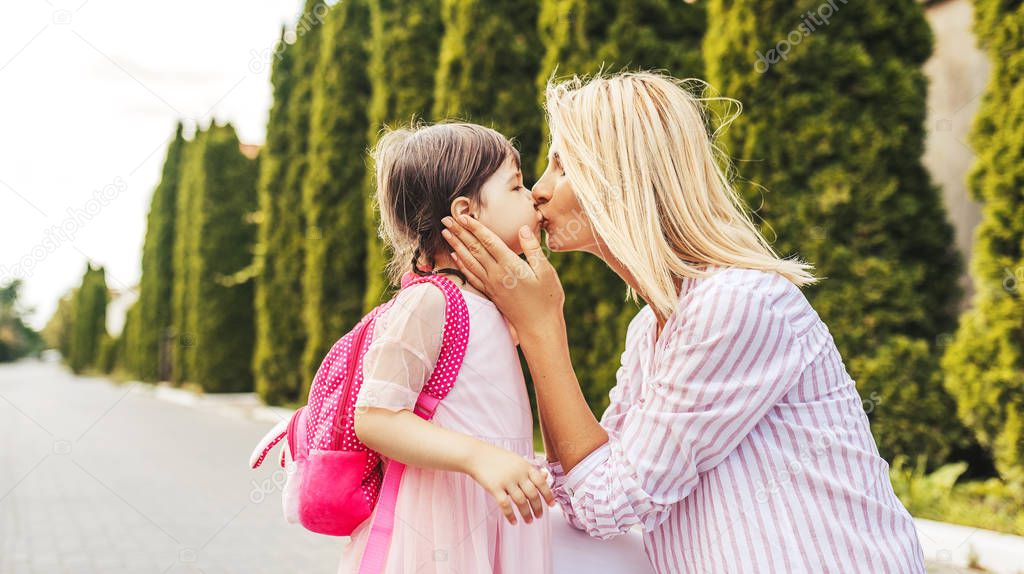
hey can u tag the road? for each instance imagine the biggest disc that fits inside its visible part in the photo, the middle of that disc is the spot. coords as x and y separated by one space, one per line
97 477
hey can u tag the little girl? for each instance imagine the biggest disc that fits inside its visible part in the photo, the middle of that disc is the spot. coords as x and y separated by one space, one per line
471 470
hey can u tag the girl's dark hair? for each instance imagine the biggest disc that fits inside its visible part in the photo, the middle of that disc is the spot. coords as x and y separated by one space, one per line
420 170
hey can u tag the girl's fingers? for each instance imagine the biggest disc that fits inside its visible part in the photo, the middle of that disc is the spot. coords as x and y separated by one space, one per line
533 496
505 504
540 481
521 502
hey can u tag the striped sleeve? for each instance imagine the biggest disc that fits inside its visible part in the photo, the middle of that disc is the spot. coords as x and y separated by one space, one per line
716 375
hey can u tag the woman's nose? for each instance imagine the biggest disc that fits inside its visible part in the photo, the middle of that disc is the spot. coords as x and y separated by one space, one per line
540 194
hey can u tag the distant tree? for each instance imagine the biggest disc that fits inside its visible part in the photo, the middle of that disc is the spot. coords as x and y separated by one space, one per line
213 285
17 339
281 333
88 324
984 365
58 330
223 303
156 284
332 194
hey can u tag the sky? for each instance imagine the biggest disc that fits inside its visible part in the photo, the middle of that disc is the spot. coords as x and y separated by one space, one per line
90 92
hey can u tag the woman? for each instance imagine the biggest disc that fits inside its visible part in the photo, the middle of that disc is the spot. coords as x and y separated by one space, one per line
734 436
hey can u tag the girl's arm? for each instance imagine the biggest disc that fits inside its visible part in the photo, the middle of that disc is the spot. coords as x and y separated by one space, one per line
407 438
406 342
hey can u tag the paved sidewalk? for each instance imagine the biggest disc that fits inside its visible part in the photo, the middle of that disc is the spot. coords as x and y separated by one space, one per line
100 478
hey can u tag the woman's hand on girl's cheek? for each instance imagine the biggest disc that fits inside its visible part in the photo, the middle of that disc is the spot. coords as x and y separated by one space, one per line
527 292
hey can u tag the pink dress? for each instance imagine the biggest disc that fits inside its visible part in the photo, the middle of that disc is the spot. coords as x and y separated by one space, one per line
446 522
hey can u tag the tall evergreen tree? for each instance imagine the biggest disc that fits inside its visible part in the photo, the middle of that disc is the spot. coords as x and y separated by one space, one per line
185 246
222 184
404 45
984 366
58 331
335 274
128 353
281 333
487 69
156 284
834 106
89 322
584 38
17 339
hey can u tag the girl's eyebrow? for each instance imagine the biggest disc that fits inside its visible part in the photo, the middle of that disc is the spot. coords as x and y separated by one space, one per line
514 178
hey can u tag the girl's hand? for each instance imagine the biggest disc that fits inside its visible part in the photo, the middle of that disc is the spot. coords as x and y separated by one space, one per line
511 480
528 293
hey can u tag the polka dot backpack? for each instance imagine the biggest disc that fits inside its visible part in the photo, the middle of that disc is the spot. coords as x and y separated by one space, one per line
337 481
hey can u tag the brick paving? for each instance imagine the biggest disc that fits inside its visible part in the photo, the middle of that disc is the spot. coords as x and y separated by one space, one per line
97 477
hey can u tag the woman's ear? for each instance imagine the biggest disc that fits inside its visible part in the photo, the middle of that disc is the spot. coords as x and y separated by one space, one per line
462 206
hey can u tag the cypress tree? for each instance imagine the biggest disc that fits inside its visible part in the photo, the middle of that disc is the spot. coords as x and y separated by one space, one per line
487 69
335 276
281 334
128 352
184 280
405 41
88 326
156 284
984 365
834 106
221 305
584 38
58 331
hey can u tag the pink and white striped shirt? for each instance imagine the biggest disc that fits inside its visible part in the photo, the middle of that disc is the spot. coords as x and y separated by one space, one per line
738 442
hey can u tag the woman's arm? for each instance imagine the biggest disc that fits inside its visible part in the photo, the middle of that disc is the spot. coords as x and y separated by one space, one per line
530 296
571 429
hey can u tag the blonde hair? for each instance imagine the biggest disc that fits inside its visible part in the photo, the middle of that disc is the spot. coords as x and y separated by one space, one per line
420 170
636 149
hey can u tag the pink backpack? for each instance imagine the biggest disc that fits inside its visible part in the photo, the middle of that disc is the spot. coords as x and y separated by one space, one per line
337 480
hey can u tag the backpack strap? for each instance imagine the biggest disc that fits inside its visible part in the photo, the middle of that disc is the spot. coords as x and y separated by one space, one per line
453 350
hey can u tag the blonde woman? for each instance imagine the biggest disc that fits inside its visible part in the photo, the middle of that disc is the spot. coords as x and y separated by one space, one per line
734 436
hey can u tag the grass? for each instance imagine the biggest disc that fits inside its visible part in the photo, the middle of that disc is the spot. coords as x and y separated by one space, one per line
992 504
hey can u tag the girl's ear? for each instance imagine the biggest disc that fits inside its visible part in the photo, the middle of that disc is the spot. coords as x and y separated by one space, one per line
462 206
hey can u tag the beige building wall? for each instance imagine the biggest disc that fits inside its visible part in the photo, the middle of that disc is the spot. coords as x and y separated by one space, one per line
958 71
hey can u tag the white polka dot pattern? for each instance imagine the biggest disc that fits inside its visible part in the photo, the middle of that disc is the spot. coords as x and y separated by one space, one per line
332 396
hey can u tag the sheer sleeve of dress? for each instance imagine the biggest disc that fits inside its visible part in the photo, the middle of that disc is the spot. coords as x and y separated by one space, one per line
404 349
